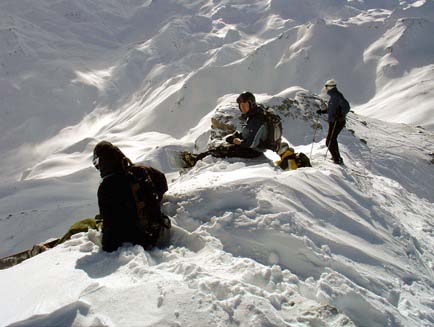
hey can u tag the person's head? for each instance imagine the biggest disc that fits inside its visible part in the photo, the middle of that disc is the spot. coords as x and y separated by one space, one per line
108 158
330 84
246 101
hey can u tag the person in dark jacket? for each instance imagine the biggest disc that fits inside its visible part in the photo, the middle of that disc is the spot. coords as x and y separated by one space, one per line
115 198
117 206
336 120
247 143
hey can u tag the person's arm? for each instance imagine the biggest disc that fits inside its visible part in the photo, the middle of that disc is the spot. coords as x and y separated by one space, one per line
253 132
113 211
108 204
105 204
323 109
230 138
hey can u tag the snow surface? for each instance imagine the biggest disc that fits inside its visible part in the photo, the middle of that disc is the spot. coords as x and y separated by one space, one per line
253 245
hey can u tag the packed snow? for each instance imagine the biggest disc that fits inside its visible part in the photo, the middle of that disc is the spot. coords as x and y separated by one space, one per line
252 245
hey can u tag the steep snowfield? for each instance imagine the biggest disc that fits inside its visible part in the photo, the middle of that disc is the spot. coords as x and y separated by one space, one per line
80 71
266 246
254 246
193 283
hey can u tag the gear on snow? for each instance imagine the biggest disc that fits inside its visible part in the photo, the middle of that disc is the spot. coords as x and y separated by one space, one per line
289 160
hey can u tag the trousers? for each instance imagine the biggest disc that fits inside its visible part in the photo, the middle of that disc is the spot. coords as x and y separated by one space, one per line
332 139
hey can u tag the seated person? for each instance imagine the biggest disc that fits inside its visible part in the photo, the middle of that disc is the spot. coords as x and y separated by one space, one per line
247 143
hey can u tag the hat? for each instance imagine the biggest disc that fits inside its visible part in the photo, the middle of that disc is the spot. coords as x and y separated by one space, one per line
106 149
330 82
108 157
246 97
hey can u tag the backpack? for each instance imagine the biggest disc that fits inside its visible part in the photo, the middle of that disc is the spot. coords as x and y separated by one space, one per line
148 186
344 106
274 128
302 160
291 161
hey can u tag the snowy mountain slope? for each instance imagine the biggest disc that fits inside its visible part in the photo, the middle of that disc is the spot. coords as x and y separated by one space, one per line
357 215
361 235
112 67
402 55
191 284
396 101
421 9
37 210
148 76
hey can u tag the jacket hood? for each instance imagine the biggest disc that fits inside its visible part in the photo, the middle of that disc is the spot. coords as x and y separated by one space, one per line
110 158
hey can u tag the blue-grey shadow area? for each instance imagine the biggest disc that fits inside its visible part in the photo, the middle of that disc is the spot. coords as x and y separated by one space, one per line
100 264
64 316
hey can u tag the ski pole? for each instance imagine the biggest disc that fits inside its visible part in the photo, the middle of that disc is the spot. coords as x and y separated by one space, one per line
333 132
314 134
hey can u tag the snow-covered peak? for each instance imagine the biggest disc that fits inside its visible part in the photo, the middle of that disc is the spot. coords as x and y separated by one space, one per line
97 70
253 245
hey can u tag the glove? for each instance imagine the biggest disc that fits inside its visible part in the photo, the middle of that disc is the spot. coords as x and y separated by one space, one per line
229 139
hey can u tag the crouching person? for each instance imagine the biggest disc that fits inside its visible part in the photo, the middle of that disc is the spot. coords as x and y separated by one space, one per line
129 200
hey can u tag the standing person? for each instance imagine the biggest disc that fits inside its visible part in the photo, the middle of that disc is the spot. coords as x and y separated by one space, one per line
125 203
250 142
337 109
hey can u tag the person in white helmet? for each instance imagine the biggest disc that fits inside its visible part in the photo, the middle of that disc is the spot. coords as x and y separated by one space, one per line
337 109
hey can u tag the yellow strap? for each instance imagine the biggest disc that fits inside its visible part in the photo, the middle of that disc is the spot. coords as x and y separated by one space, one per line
285 155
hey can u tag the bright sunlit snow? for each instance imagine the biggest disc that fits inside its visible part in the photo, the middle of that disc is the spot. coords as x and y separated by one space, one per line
252 245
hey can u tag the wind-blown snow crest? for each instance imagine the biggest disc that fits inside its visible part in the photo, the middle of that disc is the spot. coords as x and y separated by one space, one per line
253 245
132 68
316 245
192 283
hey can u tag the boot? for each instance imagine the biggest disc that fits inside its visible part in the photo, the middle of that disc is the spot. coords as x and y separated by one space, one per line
189 159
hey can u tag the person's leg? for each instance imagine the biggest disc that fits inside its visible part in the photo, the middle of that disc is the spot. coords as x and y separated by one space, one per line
232 151
338 129
190 159
329 139
223 151
110 240
332 143
163 239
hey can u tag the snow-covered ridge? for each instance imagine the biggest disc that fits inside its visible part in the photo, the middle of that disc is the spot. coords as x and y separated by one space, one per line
193 283
91 69
255 246
358 239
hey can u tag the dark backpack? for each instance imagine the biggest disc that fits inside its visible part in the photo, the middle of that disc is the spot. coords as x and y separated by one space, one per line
274 128
302 160
344 106
148 186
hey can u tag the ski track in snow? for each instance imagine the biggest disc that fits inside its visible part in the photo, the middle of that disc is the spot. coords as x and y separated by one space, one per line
253 245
